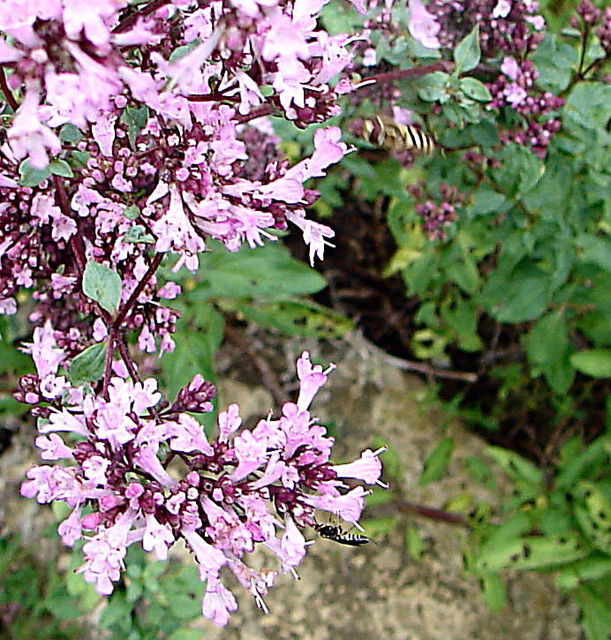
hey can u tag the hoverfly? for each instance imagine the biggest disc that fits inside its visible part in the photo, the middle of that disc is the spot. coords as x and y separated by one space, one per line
387 134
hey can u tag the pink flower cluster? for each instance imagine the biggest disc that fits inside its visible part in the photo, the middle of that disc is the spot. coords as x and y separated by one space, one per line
516 88
144 112
508 26
436 217
134 472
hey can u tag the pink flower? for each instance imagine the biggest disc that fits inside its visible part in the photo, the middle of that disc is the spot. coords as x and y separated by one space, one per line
514 94
157 537
189 436
510 68
53 447
367 468
46 354
218 602
104 555
423 26
28 136
92 17
502 9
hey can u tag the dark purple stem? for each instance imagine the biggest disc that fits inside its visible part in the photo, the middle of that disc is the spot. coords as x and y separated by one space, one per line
127 23
398 74
75 244
155 262
7 92
432 513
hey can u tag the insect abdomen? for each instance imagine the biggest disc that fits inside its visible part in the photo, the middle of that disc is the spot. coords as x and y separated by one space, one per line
336 533
392 136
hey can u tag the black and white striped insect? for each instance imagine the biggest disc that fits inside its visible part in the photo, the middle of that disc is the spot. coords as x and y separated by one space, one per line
337 534
387 134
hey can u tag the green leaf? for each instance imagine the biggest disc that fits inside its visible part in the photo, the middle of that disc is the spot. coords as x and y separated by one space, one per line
437 462
486 200
595 250
117 612
530 553
62 605
183 606
515 466
596 612
268 272
548 348
554 61
137 234
30 177
493 591
183 50
585 464
590 568
135 119
102 285
521 295
88 366
480 472
519 170
378 496
70 133
475 89
467 53
132 212
60 168
376 528
433 87
197 338
593 362
185 634
295 318
595 519
414 543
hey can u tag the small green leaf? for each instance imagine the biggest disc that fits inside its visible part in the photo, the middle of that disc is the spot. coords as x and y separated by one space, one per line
515 466
590 568
433 87
137 234
30 177
88 366
475 89
135 119
531 553
61 168
596 613
103 285
437 462
468 53
413 543
493 591
548 349
378 496
132 212
70 133
593 362
185 634
595 519
480 472
295 317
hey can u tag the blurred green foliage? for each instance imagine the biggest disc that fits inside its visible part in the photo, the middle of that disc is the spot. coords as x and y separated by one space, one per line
35 600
